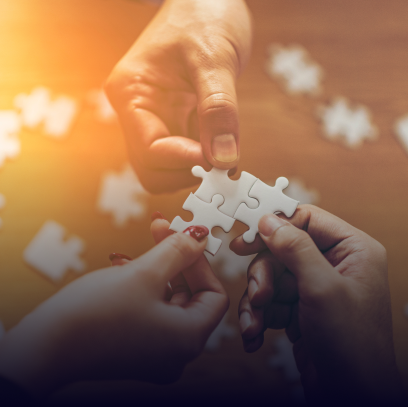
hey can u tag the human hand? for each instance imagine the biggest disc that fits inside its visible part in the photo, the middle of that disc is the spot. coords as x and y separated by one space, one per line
326 283
121 322
176 85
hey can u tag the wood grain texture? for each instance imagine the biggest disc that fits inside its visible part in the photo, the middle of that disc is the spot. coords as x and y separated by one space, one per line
71 46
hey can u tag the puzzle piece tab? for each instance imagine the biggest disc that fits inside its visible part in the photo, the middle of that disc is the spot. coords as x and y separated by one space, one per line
206 214
217 181
271 200
53 256
9 127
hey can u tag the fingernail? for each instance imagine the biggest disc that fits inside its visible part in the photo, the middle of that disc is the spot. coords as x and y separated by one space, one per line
114 256
252 288
245 321
224 148
197 232
269 223
157 215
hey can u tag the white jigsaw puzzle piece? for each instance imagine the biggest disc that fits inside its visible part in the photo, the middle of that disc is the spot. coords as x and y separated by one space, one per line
271 200
123 196
206 214
293 66
223 330
10 125
2 205
350 125
285 359
217 181
38 107
52 255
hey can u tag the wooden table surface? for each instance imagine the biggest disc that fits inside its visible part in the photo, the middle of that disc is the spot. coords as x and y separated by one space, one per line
71 46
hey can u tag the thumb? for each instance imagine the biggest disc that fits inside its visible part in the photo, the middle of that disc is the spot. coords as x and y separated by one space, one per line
218 116
172 255
297 251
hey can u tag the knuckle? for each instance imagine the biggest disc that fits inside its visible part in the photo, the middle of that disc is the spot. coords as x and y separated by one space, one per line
219 102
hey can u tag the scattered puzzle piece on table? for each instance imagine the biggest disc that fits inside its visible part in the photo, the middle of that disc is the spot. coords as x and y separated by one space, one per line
284 359
271 200
350 125
206 214
223 331
228 265
10 125
104 111
294 68
401 131
37 108
217 181
123 196
52 255
2 205
298 191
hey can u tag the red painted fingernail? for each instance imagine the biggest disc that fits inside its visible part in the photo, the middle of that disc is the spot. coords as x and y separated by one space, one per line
197 232
157 215
118 256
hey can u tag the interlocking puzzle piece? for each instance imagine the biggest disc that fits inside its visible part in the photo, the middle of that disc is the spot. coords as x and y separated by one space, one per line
10 125
56 115
350 125
2 204
294 67
223 330
401 131
53 256
271 200
298 191
123 196
284 359
104 111
206 214
217 181
228 265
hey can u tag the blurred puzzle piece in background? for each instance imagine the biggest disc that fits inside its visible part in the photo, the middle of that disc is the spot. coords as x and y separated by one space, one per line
351 126
10 125
293 67
223 331
52 255
123 196
37 108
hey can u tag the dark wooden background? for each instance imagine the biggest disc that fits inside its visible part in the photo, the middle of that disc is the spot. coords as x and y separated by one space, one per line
71 46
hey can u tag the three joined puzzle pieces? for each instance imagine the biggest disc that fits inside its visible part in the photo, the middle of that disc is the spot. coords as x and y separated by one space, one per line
219 201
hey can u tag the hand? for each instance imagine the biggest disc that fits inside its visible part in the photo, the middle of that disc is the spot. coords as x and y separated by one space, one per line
122 322
326 283
176 85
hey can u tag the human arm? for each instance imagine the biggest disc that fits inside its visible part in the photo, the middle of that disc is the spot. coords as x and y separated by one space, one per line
174 91
326 283
122 322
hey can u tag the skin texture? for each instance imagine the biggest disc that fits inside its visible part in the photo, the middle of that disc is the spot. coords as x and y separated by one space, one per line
174 91
139 319
325 282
